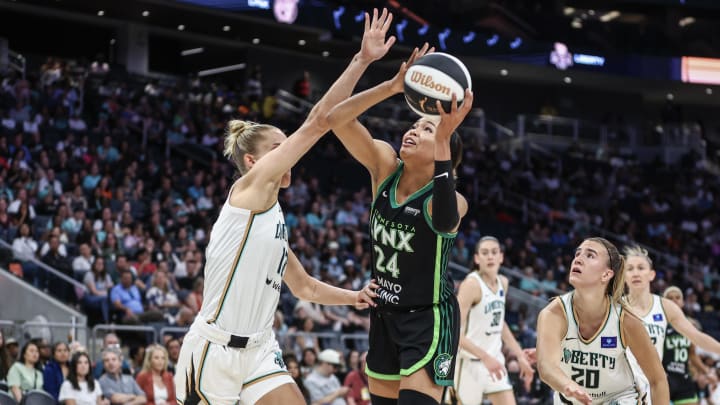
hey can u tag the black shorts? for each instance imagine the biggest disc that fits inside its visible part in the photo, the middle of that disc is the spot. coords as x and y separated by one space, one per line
403 342
682 389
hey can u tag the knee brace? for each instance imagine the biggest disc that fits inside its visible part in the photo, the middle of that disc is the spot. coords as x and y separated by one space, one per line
378 400
412 397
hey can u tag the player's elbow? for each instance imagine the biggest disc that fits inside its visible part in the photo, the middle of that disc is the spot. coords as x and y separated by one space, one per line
543 369
301 289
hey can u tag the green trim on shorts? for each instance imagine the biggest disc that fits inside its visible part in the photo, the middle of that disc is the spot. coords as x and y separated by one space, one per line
433 346
265 375
379 376
685 401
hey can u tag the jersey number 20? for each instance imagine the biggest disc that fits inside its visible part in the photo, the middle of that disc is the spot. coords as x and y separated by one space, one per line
586 378
496 319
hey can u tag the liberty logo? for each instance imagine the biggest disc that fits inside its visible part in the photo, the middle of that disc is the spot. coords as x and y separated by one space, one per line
442 364
279 360
567 354
281 231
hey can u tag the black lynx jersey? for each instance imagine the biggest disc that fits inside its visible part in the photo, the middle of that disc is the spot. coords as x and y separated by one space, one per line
409 257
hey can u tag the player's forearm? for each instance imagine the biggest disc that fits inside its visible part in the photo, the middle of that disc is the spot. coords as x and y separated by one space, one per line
659 391
467 345
351 108
343 86
697 363
552 375
706 342
321 293
509 339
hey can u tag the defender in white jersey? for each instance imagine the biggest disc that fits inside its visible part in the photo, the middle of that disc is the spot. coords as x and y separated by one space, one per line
657 313
481 368
230 354
583 335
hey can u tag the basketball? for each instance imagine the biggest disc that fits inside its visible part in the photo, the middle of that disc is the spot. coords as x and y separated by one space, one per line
435 76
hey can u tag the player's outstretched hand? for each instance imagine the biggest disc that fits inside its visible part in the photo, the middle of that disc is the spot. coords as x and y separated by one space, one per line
397 83
495 368
450 121
366 297
573 390
374 46
526 372
531 355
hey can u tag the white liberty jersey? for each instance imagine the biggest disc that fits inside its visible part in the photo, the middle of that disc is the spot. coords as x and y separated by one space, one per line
656 323
246 259
598 364
486 319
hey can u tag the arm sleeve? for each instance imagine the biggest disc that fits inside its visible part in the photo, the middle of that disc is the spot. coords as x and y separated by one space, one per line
445 211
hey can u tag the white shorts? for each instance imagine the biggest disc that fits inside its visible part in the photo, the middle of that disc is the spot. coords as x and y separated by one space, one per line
643 387
473 381
209 372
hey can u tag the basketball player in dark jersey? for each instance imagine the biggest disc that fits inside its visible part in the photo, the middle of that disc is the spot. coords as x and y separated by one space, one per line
678 354
414 331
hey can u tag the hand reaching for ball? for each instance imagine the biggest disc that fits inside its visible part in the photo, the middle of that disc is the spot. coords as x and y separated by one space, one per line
449 121
397 82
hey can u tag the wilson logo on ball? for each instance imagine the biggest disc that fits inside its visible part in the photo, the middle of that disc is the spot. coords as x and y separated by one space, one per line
433 79
427 81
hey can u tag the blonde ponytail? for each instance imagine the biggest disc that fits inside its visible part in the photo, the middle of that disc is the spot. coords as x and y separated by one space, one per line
243 137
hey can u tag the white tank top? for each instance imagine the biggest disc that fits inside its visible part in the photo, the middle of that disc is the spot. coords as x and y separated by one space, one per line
656 323
485 320
246 259
598 364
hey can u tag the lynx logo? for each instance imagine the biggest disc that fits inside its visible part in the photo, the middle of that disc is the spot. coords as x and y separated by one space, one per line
412 211
442 365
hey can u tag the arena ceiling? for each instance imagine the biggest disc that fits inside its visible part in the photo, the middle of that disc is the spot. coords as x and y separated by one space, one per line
638 26
659 27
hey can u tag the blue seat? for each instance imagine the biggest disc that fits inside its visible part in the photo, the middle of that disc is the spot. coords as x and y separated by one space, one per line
37 397
7 399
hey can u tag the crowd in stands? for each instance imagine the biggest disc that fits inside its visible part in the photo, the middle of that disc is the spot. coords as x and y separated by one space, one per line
115 181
